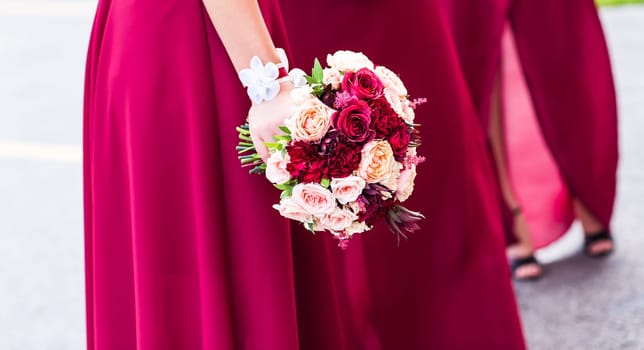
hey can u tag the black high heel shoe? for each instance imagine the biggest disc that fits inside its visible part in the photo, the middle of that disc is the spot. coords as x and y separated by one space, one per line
593 238
517 263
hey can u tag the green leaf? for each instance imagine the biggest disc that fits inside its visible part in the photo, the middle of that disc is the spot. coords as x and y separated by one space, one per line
285 129
325 183
309 79
318 73
284 187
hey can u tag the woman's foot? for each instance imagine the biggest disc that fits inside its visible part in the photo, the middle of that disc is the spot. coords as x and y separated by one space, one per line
598 244
523 264
526 268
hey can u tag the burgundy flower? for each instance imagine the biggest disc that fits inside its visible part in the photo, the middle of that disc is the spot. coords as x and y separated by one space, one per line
344 158
353 122
399 141
373 207
316 171
307 165
328 98
384 119
363 84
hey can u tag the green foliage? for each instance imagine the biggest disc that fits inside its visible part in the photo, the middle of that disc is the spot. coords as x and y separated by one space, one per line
617 2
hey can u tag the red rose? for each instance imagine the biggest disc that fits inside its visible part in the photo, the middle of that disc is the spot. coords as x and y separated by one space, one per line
353 122
363 84
384 119
399 141
306 165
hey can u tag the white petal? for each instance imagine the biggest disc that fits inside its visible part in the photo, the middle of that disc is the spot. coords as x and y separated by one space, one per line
247 77
297 77
283 58
271 71
271 91
256 63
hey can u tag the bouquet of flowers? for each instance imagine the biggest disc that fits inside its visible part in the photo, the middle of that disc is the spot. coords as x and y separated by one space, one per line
348 155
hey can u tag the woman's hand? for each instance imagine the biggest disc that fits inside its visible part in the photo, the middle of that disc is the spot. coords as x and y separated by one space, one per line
264 119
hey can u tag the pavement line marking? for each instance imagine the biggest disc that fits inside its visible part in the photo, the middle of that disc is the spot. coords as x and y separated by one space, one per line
47 9
41 151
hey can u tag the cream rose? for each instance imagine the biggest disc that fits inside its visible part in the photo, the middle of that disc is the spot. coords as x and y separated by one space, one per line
391 181
314 199
338 220
310 122
289 209
377 161
276 168
406 184
347 189
332 76
301 95
391 81
348 61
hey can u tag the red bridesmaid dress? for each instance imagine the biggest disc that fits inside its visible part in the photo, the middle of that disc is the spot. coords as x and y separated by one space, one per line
559 98
183 249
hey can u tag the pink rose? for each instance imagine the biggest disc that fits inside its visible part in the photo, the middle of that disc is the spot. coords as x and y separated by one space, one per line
310 122
276 168
377 161
338 220
314 199
363 84
406 184
289 209
347 189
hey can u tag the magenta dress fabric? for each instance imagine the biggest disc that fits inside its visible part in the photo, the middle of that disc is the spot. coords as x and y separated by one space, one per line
564 62
448 286
183 249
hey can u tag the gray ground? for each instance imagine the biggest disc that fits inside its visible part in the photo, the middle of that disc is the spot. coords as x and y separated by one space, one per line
582 304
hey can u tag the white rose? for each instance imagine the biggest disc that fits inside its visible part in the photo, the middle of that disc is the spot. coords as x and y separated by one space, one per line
332 76
408 113
406 184
310 122
354 206
338 220
348 61
276 168
395 101
289 209
391 80
313 198
301 95
357 227
391 181
347 189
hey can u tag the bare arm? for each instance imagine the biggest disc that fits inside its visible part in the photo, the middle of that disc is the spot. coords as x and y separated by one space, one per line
242 30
